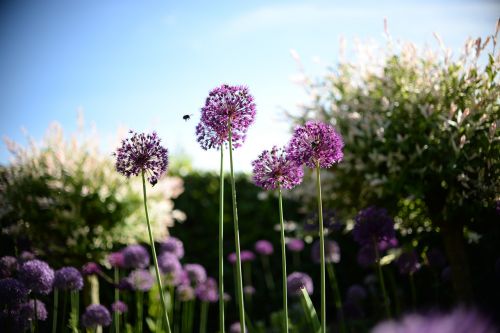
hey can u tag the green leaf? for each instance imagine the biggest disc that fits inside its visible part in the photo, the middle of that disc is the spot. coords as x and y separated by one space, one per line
312 316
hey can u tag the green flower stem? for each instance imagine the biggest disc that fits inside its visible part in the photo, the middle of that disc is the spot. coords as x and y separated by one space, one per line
65 305
321 249
336 296
239 287
221 242
267 273
139 309
155 259
74 297
413 292
382 281
203 317
36 314
172 301
283 263
117 298
56 310
395 295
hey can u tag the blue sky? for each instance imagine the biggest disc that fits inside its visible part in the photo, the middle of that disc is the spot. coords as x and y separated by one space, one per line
144 64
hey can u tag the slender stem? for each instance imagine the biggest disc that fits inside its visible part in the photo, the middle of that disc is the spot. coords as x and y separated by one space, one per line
322 249
117 298
171 303
191 315
65 305
283 263
36 314
139 307
56 310
382 281
337 297
413 292
267 273
155 259
221 242
203 317
239 286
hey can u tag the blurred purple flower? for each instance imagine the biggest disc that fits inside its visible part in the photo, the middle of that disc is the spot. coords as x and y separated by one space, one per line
298 280
37 276
366 256
207 291
119 307
408 263
96 315
460 320
273 169
142 153
295 245
316 142
173 245
8 266
264 247
356 293
68 278
185 292
372 226
26 256
135 256
91 268
249 290
27 310
116 259
236 328
332 252
226 106
12 292
125 284
141 279
196 273
170 266
245 256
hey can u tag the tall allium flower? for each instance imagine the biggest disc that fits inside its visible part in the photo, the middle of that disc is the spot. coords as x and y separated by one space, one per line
8 266
295 245
185 292
460 320
96 315
37 276
299 280
116 259
173 245
245 256
91 268
332 252
141 279
170 266
274 169
26 256
12 292
68 278
225 105
135 256
119 307
142 153
196 273
207 291
27 310
264 247
317 145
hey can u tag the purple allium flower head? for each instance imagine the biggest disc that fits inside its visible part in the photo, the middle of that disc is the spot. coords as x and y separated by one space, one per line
236 327
436 258
196 273
12 292
249 290
225 106
37 276
295 245
116 259
27 310
356 293
119 307
460 320
408 263
245 256
142 153
185 292
170 266
366 256
8 266
298 280
373 225
96 315
316 142
387 244
207 290
26 256
91 268
332 251
264 247
141 279
273 169
124 284
68 278
173 245
135 256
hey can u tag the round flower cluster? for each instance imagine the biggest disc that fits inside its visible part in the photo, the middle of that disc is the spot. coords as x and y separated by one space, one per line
373 225
116 259
245 256
37 276
298 280
8 266
142 153
135 256
173 245
207 290
27 310
264 247
185 292
274 169
141 280
195 273
12 292
226 108
332 252
91 268
96 315
119 307
170 266
295 245
68 278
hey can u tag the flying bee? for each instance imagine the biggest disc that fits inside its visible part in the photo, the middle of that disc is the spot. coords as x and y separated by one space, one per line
315 144
186 117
